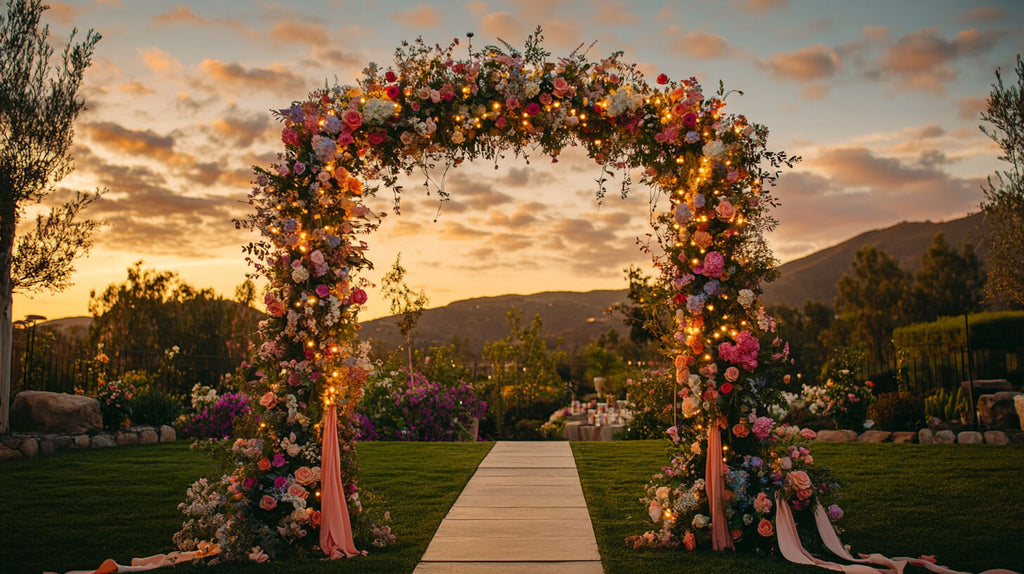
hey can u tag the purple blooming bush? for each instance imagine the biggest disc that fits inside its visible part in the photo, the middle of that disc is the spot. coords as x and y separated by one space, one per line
419 410
216 420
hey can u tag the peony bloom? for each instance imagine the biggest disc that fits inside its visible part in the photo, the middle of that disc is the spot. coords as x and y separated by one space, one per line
725 210
762 504
278 461
765 528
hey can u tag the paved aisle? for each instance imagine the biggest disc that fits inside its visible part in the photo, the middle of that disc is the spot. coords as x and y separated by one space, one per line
522 512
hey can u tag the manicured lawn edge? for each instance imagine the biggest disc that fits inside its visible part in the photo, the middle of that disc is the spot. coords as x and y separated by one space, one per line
962 503
74 510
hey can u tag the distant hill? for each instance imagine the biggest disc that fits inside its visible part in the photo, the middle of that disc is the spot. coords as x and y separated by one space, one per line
814 277
72 327
577 318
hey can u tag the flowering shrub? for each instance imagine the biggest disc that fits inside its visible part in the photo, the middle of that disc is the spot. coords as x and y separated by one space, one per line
115 399
779 463
848 400
650 398
419 410
216 421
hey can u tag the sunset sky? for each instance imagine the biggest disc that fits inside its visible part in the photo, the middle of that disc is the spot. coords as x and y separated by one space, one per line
881 98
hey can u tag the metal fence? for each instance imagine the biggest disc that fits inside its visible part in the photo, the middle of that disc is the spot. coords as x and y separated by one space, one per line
62 366
927 368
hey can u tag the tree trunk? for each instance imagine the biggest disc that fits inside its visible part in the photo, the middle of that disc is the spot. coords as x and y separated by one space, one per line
8 223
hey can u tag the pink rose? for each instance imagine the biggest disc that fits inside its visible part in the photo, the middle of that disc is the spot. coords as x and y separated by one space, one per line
511 103
765 528
278 460
268 502
731 374
560 86
323 290
376 138
532 108
393 92
808 434
304 476
762 504
315 518
344 139
799 480
353 119
740 430
545 99
725 210
297 491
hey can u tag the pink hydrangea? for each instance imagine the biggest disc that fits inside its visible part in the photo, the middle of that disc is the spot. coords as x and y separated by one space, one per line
713 265
762 427
743 352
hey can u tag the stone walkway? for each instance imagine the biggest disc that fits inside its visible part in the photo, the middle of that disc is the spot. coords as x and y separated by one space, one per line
523 511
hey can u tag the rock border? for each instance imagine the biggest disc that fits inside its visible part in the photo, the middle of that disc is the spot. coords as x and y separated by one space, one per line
925 436
28 445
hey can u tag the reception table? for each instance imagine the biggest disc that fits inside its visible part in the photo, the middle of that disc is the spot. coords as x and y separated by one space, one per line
578 431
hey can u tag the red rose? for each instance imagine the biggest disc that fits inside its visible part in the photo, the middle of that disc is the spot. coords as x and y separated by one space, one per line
533 108
376 138
662 79
393 92
390 76
726 388
358 296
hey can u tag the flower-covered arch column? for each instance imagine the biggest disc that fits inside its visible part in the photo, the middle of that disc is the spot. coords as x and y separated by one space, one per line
347 142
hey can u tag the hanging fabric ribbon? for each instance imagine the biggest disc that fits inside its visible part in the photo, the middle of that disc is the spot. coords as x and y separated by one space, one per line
793 550
336 528
714 485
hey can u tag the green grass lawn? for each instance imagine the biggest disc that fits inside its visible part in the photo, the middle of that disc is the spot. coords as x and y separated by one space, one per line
74 510
962 503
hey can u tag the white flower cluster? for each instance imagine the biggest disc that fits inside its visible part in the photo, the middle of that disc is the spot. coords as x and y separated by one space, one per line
377 110
624 99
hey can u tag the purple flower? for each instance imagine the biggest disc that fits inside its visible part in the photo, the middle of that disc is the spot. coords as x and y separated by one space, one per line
278 460
834 512
280 482
323 290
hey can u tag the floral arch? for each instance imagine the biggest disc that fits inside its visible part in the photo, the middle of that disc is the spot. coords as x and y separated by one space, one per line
344 143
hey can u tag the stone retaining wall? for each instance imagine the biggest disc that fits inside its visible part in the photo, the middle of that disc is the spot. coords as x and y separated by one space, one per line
17 445
925 436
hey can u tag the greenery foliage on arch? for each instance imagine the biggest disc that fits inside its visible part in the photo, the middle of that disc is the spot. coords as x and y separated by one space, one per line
432 110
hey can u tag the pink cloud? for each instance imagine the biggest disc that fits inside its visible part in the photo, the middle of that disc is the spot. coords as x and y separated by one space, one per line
702 45
811 63
420 15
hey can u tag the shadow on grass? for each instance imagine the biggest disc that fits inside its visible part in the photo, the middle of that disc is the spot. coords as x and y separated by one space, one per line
962 503
75 510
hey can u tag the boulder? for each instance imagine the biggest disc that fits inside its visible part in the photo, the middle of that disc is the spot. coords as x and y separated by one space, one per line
996 437
6 453
48 412
148 436
997 411
29 446
985 386
1017 438
837 435
1018 402
944 437
47 446
126 438
81 440
874 436
103 441
167 434
970 437
925 436
904 437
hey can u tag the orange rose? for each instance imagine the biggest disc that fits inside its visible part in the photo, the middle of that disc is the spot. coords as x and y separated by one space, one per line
268 502
765 528
297 491
304 476
263 464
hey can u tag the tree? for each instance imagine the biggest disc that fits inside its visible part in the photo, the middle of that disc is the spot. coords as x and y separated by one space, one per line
406 304
1004 198
810 333
948 283
873 298
646 315
38 107
140 318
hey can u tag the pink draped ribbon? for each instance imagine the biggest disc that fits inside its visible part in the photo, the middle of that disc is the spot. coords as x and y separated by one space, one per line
335 527
714 485
153 562
792 550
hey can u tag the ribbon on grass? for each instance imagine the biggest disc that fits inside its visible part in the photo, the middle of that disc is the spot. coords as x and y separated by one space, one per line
108 566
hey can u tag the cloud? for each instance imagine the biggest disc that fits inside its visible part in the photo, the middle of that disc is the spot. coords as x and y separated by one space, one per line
63 13
501 25
759 6
875 32
142 143
700 45
135 89
476 8
286 32
418 16
814 91
983 14
922 60
816 62
159 61
972 108
468 193
614 13
240 129
179 15
859 167
276 78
